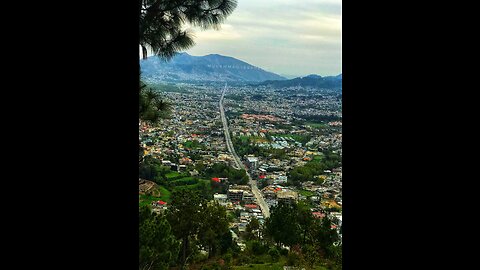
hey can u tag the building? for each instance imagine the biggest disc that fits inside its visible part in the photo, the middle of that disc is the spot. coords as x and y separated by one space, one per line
220 198
287 196
281 179
235 194
248 197
252 162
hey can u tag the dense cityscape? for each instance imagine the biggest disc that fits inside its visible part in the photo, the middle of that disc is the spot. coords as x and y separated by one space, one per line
247 148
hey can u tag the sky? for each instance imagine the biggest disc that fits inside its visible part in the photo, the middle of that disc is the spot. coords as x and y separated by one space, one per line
288 37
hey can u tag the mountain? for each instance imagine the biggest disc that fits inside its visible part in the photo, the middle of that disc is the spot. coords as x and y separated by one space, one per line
212 67
312 80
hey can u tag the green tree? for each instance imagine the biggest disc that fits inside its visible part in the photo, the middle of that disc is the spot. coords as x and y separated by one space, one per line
151 107
162 22
252 229
157 245
184 214
322 236
310 255
283 226
214 225
305 218
274 254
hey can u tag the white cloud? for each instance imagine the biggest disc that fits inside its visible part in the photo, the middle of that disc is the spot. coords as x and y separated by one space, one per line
283 36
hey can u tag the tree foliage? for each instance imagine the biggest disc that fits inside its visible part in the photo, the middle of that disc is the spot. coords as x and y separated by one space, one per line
252 230
162 22
185 215
310 240
283 226
151 169
224 171
157 245
313 168
214 226
151 106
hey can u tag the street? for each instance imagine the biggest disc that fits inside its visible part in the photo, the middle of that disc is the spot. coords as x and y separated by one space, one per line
256 192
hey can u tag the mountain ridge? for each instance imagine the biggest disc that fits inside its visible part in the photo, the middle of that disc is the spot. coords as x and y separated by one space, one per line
211 67
311 80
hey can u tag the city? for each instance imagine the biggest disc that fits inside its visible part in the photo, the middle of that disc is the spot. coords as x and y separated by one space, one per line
287 141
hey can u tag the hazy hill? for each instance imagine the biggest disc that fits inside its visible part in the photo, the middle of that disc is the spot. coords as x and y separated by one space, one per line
212 67
312 80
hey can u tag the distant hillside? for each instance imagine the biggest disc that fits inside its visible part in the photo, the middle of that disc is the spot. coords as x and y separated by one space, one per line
312 80
212 67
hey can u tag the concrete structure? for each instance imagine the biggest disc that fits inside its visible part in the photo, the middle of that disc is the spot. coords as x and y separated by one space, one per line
235 194
248 197
252 162
287 196
221 198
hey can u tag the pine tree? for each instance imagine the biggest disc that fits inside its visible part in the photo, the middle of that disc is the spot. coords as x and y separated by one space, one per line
162 22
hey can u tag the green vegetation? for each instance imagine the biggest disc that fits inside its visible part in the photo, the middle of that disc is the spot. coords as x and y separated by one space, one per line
283 126
165 194
306 193
222 170
193 145
235 97
158 247
314 168
147 199
151 106
310 240
191 224
318 125
198 223
162 23
169 88
172 175
272 266
245 146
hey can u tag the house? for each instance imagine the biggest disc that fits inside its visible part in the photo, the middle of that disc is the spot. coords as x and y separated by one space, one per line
235 194
220 198
287 196
252 162
248 197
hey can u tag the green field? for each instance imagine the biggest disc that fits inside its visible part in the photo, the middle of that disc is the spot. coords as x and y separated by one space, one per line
316 124
192 144
165 194
306 193
243 138
147 199
318 158
171 175
184 181
194 186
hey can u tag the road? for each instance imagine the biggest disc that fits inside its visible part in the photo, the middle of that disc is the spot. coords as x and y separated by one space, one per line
256 192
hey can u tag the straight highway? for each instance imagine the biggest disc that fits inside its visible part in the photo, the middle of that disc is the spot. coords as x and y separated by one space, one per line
256 192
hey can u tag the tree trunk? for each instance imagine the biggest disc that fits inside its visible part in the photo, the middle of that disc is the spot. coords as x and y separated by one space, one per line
304 235
184 253
213 250
144 52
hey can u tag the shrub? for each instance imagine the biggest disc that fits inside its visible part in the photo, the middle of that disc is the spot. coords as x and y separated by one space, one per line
293 258
274 254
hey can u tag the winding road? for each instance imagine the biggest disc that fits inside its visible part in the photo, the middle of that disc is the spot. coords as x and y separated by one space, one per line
253 184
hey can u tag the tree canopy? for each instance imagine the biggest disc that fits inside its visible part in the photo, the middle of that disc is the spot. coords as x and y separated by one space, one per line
162 22
157 245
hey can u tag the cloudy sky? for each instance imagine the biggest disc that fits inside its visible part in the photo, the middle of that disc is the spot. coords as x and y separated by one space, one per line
288 37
